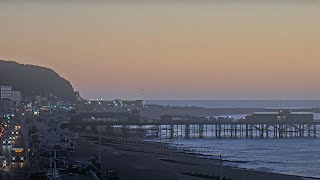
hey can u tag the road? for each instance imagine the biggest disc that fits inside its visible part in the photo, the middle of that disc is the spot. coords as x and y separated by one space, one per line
12 170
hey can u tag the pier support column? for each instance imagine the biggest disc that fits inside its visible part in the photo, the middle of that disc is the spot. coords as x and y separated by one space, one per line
231 129
158 129
262 131
187 131
267 131
219 132
302 130
275 131
235 131
247 131
281 131
200 130
224 130
171 131
216 130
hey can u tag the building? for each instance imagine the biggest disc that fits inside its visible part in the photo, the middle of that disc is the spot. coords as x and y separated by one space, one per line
169 118
285 116
133 116
5 92
133 104
78 97
5 106
16 98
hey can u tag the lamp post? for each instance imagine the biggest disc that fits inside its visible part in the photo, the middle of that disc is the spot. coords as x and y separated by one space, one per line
100 150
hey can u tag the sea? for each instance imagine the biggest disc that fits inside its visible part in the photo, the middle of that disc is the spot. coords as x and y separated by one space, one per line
299 156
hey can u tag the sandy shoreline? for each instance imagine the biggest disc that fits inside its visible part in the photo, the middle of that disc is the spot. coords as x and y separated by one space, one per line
136 158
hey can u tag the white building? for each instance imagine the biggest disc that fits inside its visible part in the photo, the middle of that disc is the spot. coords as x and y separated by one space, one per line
16 97
5 92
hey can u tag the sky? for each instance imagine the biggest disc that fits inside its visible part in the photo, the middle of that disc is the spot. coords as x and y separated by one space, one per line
170 49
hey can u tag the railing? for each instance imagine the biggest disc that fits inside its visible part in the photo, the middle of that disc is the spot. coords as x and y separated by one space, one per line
95 177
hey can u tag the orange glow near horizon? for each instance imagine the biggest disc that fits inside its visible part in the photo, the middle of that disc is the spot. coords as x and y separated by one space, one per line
171 50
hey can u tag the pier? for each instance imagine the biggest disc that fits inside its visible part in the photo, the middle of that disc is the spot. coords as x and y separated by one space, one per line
270 124
185 129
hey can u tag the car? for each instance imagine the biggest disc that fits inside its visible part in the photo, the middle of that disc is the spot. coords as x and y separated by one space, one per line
17 159
6 142
12 138
3 161
17 127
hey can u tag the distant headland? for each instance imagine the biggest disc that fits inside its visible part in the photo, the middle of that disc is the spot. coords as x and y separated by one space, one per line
34 80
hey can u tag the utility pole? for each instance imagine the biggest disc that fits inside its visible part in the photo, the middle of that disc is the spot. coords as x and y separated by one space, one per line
55 165
100 150
25 132
27 146
100 153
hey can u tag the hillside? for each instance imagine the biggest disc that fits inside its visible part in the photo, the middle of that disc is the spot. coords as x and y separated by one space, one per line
34 80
